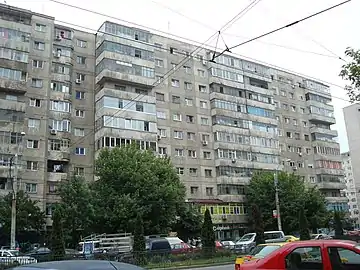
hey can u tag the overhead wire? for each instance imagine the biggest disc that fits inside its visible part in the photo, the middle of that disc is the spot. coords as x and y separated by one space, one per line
171 71
281 28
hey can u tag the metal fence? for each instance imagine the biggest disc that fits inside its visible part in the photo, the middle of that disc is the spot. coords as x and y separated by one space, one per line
149 259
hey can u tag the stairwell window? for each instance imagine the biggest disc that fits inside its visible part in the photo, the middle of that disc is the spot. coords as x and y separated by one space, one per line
39 45
30 188
32 165
80 151
175 83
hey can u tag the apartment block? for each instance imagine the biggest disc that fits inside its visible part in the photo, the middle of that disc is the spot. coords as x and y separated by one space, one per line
74 93
350 190
308 145
352 118
47 94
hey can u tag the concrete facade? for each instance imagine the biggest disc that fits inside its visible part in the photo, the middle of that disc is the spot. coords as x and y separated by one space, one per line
218 122
352 119
350 190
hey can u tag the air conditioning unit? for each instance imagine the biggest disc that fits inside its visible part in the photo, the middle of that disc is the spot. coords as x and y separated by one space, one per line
58 38
204 143
53 132
233 160
78 81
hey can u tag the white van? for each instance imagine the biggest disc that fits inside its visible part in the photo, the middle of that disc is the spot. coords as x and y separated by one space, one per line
247 243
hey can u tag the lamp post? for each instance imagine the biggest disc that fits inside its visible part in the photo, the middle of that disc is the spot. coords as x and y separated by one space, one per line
14 194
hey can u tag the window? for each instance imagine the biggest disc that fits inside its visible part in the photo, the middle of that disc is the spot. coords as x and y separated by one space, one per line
209 191
81 43
34 102
40 27
37 83
188 101
38 64
80 132
161 115
178 134
201 73
291 95
175 99
162 151
162 132
34 144
80 76
191 136
180 170
304 258
30 188
80 95
139 106
203 104
159 63
32 165
60 106
190 119
177 117
175 83
193 171
39 45
192 153
80 151
194 190
33 123
208 173
202 89
179 152
160 97
207 155
80 113
80 60
187 86
187 69
204 121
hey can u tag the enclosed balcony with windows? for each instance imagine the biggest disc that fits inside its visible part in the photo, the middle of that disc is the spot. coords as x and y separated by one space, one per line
57 170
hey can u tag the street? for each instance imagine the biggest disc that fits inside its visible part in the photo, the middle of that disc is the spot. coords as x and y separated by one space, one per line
216 267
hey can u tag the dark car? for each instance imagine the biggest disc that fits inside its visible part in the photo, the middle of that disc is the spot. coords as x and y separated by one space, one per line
158 245
79 264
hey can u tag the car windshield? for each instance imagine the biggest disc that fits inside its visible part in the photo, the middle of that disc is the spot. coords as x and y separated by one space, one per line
262 251
246 237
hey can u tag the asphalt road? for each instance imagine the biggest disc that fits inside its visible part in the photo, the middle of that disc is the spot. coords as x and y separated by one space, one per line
216 267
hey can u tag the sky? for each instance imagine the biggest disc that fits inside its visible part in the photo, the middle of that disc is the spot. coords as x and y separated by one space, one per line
309 48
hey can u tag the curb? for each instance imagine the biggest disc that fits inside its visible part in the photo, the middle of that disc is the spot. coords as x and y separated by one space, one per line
193 266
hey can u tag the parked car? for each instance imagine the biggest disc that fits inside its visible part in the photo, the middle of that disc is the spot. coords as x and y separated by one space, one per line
320 236
291 238
181 248
228 244
8 257
260 251
247 243
312 254
80 264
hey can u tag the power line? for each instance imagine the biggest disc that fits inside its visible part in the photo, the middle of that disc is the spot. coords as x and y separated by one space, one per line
281 28
171 71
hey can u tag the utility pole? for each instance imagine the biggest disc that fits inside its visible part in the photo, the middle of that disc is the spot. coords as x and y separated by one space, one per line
13 203
277 202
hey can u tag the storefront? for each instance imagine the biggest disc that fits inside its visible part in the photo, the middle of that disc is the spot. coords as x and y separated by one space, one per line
231 232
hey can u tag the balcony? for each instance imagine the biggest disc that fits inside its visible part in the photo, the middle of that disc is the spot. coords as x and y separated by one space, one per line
331 185
59 155
336 199
12 105
327 171
325 131
322 118
57 177
14 86
221 219
139 81
231 198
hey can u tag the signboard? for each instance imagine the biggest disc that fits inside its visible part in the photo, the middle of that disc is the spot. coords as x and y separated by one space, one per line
275 214
221 228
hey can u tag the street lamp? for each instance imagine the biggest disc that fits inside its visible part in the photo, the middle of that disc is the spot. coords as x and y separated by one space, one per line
277 201
14 194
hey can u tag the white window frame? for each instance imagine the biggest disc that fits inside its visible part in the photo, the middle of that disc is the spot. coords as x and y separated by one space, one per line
80 151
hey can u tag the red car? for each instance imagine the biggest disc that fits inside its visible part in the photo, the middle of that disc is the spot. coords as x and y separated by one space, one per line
309 255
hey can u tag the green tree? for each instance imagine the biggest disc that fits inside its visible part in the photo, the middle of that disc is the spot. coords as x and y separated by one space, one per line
57 237
139 242
208 235
292 192
188 222
130 178
28 214
350 72
338 225
258 224
77 209
303 225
